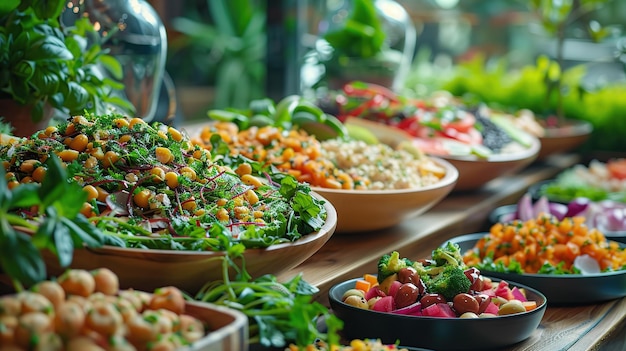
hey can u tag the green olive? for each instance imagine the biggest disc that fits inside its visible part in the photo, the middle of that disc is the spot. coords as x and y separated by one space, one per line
511 307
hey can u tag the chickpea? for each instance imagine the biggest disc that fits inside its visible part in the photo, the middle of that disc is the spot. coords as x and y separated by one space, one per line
252 197
158 174
243 168
191 328
28 166
77 282
356 301
50 130
121 122
29 326
169 298
92 192
104 318
139 299
222 215
188 172
52 291
106 281
251 180
511 307
163 324
39 173
109 159
8 324
171 179
83 343
102 194
35 302
48 341
190 204
164 155
126 309
91 162
87 210
69 319
142 198
140 331
125 138
163 344
12 184
68 155
119 343
175 134
79 143
136 121
10 305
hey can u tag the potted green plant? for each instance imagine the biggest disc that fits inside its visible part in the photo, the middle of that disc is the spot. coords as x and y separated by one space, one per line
373 43
46 68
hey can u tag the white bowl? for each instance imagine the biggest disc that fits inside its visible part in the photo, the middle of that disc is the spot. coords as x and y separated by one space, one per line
368 210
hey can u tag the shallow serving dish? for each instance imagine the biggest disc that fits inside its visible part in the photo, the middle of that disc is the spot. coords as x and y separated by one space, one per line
437 333
563 139
228 328
507 212
570 289
368 210
148 269
475 172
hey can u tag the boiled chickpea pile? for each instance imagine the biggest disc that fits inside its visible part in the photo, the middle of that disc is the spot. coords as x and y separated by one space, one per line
86 311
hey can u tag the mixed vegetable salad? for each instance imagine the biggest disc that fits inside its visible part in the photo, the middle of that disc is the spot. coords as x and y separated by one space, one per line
597 181
441 125
443 286
297 138
152 187
546 245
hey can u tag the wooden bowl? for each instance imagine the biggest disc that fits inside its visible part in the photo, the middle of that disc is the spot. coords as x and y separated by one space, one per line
475 172
228 328
148 269
368 210
564 139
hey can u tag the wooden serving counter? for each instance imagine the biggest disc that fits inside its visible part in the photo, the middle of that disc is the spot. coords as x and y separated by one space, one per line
346 256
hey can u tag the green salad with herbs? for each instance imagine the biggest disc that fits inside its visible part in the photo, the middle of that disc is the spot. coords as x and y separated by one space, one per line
149 185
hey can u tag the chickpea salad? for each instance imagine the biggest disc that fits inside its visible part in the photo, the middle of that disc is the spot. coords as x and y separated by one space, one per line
149 185
338 163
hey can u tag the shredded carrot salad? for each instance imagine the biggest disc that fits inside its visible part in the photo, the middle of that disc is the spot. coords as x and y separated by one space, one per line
545 239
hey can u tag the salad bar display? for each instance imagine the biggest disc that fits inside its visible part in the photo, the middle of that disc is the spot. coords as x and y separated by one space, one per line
218 212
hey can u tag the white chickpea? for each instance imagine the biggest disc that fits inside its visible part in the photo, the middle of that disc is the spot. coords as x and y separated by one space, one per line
51 290
69 319
8 324
118 342
10 305
30 325
83 343
169 298
104 318
48 341
126 309
77 282
141 332
106 281
35 302
191 328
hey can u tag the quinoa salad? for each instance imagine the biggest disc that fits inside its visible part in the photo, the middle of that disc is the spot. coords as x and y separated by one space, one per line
333 164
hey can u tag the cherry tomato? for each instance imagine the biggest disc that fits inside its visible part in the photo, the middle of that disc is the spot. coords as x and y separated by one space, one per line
617 168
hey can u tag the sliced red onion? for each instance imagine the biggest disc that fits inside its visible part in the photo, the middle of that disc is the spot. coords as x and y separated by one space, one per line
117 203
525 209
541 206
577 206
587 264
557 210
414 309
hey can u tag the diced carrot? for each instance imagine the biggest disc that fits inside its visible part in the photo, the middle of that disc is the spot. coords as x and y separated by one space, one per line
529 305
363 285
372 279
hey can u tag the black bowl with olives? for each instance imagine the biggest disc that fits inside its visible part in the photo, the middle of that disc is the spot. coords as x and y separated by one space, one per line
438 333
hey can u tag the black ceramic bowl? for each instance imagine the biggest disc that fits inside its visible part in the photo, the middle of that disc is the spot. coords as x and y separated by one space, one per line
436 333
569 289
506 213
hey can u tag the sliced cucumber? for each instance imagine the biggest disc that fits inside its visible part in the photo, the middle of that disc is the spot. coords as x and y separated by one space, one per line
516 134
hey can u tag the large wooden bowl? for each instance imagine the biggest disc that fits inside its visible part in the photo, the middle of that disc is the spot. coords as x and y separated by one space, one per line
148 269
368 210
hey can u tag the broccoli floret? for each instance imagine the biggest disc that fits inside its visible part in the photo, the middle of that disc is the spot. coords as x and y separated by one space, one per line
448 254
450 282
391 263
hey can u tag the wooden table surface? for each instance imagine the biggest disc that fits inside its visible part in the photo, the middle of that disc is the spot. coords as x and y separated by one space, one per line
591 327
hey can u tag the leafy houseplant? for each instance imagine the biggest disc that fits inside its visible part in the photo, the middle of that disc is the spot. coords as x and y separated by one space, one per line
556 18
45 66
229 51
367 45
